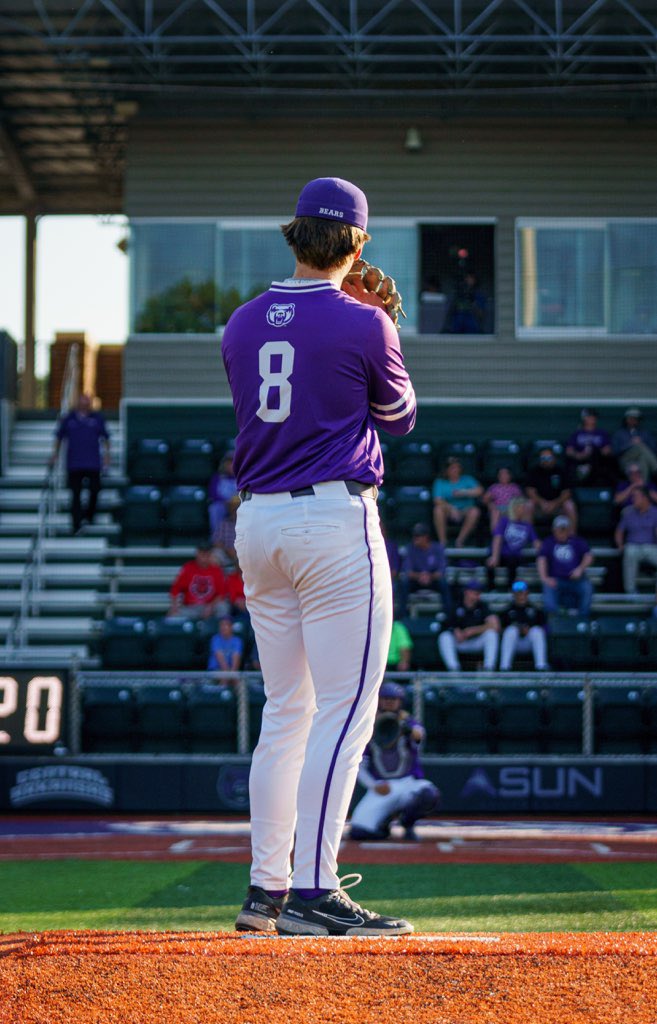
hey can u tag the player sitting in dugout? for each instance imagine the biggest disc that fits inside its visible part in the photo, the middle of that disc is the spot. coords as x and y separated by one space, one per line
392 774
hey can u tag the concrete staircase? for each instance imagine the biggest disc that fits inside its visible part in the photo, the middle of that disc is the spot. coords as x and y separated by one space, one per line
65 602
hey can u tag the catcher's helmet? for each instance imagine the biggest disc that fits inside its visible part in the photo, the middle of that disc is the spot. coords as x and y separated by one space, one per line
392 691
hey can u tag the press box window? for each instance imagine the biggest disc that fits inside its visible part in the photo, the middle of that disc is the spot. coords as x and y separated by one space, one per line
586 277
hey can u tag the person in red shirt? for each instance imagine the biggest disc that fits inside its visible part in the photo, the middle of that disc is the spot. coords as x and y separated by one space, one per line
200 589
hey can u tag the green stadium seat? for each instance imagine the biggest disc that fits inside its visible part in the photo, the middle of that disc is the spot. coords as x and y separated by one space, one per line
108 719
212 719
125 643
595 511
619 642
570 644
149 461
142 515
256 700
564 720
415 464
467 724
179 643
424 634
521 720
186 514
432 716
407 506
194 461
464 451
622 720
497 453
160 719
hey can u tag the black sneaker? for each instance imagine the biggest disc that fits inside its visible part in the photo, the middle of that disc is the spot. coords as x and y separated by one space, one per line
259 911
335 914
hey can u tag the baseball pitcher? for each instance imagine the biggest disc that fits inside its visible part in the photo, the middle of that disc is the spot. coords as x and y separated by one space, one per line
314 370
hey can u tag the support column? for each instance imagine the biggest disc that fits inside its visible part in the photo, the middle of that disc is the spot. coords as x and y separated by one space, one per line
28 381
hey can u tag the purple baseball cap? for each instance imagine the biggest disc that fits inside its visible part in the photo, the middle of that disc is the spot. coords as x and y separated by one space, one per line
333 199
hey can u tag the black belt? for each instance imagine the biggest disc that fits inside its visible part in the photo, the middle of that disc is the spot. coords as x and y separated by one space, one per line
353 487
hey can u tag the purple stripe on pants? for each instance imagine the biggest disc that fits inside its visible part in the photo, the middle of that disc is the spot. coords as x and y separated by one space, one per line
345 729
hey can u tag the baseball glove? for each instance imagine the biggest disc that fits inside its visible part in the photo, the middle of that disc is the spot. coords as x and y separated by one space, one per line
388 727
370 285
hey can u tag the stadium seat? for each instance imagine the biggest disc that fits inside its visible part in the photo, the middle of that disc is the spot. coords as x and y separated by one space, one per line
256 701
108 719
179 643
125 643
467 723
619 642
465 451
142 515
407 506
194 461
622 720
497 453
564 720
212 719
595 510
424 634
186 514
160 725
520 714
432 716
415 464
570 644
149 461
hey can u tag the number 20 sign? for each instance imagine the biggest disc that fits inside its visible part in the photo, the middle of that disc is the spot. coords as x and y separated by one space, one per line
31 710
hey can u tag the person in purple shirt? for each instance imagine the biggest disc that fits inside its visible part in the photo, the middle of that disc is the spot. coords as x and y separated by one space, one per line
392 774
562 562
512 535
314 373
636 537
589 455
86 437
424 567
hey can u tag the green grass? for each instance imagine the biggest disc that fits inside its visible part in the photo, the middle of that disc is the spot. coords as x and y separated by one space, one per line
202 895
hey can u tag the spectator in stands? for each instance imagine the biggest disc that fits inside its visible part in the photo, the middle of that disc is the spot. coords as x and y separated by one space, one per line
424 568
455 501
235 592
589 456
499 495
635 479
221 488
468 308
401 648
523 630
226 649
470 629
632 443
512 535
87 455
223 536
548 490
636 536
562 562
200 589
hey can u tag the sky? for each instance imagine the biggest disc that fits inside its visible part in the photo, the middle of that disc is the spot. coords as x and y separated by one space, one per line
82 279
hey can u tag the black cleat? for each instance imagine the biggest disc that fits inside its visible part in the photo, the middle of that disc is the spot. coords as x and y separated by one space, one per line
335 914
259 911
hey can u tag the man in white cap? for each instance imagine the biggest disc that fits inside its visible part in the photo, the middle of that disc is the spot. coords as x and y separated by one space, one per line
562 562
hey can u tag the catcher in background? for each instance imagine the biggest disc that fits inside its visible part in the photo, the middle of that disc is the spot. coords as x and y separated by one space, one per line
392 774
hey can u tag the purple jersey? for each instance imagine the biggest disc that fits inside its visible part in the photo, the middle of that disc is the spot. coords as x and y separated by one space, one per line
582 439
397 761
562 558
515 536
292 434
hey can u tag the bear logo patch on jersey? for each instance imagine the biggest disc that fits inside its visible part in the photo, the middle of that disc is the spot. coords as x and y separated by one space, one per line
280 313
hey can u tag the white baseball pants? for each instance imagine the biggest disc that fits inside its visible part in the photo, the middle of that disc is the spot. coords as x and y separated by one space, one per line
318 589
488 642
512 643
375 809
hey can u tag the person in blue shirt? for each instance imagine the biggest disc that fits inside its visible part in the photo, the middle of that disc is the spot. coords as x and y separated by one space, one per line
87 454
226 649
455 497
